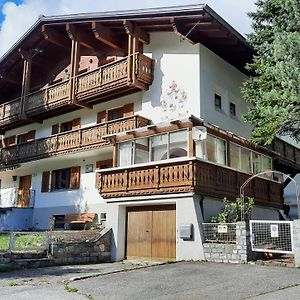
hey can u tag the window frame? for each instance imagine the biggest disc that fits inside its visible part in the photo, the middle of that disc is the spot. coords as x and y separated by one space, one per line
218 101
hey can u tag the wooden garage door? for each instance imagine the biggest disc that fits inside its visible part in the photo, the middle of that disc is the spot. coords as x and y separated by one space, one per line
151 232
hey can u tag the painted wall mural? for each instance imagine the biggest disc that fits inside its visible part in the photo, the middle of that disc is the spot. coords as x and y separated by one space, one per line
174 102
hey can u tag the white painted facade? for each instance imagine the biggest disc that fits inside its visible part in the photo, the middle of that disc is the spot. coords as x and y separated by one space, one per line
196 74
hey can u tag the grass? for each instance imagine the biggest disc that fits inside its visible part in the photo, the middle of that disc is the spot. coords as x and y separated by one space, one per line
29 241
4 241
12 283
70 289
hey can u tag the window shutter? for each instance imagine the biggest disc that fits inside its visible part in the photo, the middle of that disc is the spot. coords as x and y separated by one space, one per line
75 178
128 110
45 182
101 117
104 164
76 124
55 129
11 140
30 136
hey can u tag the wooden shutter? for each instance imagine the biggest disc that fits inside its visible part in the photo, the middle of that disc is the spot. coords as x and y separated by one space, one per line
128 110
75 178
45 182
104 164
55 129
76 124
30 136
101 117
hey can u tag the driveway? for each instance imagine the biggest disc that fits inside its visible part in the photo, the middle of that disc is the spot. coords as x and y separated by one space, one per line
184 280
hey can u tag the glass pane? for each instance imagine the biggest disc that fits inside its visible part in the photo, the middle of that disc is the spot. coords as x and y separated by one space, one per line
141 151
235 156
266 163
178 144
200 149
221 151
125 154
159 145
246 160
211 148
257 163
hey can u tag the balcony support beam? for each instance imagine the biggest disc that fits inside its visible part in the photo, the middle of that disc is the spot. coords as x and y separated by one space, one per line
27 60
55 37
133 30
107 36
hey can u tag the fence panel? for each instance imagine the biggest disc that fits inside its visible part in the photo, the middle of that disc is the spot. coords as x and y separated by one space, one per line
219 232
271 236
26 241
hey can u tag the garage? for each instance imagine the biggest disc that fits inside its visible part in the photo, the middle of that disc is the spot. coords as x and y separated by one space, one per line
151 232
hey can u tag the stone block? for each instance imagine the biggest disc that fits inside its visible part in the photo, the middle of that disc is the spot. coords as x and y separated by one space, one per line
215 255
231 261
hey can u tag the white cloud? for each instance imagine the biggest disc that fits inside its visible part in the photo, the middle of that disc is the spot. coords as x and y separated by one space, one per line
19 18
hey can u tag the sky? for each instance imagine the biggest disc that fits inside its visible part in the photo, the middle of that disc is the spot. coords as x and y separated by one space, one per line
17 16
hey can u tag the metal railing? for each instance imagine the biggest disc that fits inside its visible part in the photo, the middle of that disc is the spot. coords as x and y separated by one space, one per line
15 197
219 232
271 236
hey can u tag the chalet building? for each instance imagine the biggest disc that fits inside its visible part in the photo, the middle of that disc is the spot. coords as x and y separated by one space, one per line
135 116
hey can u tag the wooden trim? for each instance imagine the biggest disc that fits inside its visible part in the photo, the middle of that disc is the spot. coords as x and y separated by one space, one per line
45 182
75 178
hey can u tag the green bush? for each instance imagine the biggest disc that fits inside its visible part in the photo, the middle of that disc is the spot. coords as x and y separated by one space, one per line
231 213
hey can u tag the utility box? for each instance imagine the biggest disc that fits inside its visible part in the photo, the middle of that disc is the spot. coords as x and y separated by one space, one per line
186 231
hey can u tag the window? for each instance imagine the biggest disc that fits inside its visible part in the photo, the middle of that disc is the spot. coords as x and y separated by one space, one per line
66 126
154 148
61 179
212 149
232 109
248 161
116 113
218 101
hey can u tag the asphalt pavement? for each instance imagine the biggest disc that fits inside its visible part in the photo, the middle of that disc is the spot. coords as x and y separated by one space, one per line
139 280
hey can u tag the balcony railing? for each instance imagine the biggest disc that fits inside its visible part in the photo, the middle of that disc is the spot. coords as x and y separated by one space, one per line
75 140
15 197
114 78
186 175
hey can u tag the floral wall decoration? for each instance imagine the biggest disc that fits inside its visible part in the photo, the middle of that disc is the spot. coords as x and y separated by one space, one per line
174 102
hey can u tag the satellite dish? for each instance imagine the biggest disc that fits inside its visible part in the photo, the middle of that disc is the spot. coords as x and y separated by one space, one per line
199 133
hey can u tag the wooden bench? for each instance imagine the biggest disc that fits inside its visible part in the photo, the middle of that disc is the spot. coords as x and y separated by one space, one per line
80 221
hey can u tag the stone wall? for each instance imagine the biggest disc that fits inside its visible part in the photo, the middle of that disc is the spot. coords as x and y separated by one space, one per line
296 241
230 253
95 251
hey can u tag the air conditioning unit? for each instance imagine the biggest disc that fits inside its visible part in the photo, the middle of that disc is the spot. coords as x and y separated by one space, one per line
199 133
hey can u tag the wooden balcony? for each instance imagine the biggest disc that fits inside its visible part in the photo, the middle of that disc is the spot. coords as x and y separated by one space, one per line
121 77
186 175
68 142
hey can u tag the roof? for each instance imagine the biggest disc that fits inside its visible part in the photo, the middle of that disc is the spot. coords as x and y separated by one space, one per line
195 23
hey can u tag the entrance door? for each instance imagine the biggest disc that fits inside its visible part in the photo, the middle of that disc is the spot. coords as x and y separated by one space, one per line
24 191
151 232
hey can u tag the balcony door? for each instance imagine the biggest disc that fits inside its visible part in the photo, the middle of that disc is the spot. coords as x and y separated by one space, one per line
24 191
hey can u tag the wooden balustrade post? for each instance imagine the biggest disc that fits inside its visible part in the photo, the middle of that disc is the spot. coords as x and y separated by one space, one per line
80 138
56 143
157 175
126 183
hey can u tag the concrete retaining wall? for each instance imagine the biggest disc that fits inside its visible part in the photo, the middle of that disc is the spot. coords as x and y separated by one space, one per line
296 241
95 251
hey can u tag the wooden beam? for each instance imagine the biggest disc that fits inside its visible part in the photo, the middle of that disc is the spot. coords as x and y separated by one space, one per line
107 36
133 30
55 37
181 30
9 79
82 37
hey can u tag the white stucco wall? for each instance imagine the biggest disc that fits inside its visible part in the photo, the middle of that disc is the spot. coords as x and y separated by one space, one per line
218 76
175 61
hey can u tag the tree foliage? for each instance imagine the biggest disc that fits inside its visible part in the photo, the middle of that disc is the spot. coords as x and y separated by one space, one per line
274 87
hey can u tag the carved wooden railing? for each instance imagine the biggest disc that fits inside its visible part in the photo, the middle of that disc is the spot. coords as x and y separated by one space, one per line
285 150
186 175
111 78
76 140
10 111
48 98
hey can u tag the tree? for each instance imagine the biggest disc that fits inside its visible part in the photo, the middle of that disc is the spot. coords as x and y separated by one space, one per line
273 89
